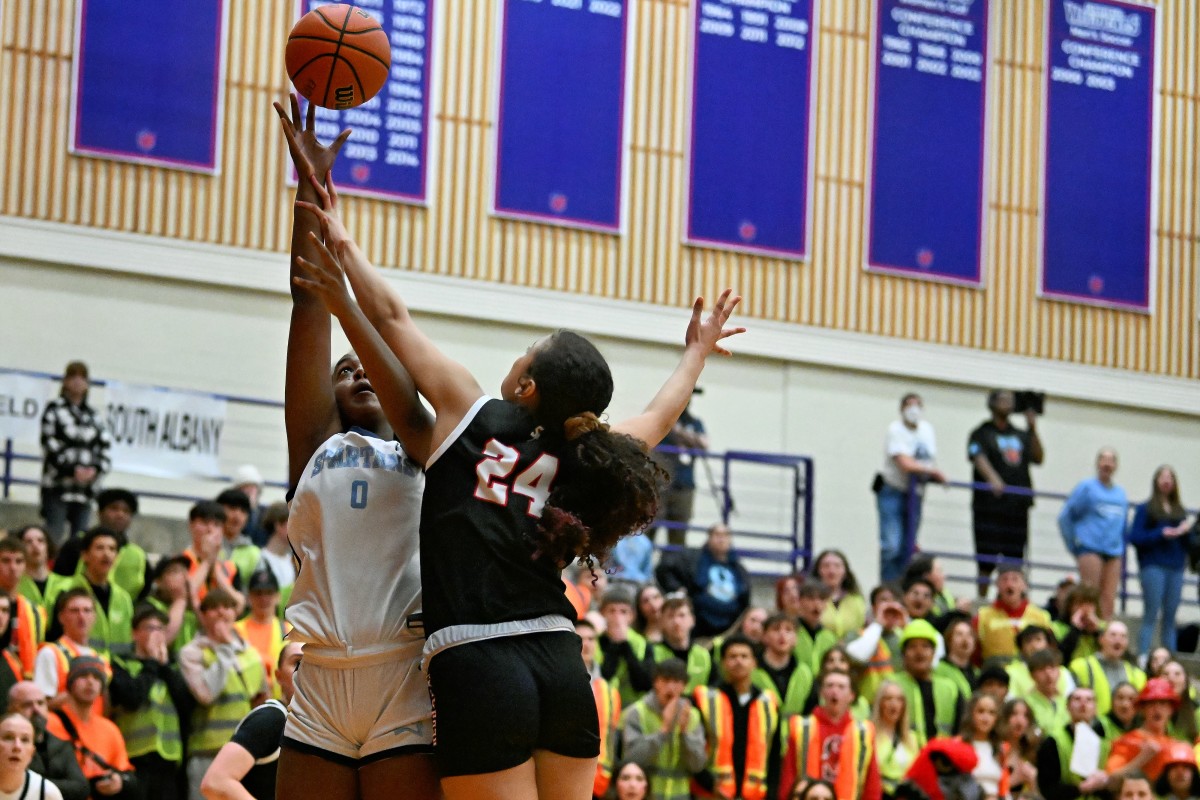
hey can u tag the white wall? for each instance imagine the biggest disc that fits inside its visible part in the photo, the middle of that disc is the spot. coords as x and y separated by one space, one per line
66 294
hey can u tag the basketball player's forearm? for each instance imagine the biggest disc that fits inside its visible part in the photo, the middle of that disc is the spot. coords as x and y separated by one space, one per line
653 424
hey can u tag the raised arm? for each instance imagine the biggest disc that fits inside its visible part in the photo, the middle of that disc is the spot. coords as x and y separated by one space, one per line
701 339
445 383
309 410
396 391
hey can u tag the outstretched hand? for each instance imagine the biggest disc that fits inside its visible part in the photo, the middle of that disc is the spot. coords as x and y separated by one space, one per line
308 154
707 334
326 280
333 231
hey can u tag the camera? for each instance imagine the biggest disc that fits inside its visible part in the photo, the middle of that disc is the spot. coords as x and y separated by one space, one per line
1029 400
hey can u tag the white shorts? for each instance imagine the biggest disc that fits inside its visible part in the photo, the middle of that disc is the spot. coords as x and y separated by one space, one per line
364 706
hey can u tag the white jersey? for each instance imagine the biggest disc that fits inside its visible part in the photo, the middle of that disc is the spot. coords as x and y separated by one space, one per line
354 526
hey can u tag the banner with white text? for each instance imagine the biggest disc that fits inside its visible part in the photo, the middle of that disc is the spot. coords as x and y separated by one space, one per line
1098 195
23 398
925 213
162 432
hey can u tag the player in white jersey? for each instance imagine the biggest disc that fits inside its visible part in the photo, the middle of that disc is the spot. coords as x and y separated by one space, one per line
359 723
515 488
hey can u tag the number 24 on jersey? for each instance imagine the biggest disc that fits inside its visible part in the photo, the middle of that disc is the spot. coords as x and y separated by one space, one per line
534 482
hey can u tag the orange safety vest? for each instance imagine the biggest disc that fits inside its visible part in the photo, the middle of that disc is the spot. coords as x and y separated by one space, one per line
225 568
854 761
30 633
717 715
14 665
266 639
608 706
64 651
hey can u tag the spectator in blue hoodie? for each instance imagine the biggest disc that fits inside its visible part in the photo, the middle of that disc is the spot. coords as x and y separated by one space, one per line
1093 528
1159 534
720 585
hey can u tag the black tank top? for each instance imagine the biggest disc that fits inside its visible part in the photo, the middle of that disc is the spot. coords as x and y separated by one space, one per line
484 492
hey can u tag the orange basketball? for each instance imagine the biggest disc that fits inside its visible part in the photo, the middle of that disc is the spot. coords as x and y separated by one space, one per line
338 56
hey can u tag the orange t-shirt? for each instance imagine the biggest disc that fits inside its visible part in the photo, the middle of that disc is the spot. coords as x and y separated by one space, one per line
99 735
1126 749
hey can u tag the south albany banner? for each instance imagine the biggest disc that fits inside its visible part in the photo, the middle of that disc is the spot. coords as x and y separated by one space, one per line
163 432
23 398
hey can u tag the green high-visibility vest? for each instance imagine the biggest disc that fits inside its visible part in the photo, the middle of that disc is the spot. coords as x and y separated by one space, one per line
213 725
1065 746
670 779
945 703
798 688
153 728
699 664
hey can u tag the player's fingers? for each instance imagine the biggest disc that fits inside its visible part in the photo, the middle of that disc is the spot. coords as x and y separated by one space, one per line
311 208
333 194
322 193
310 119
339 141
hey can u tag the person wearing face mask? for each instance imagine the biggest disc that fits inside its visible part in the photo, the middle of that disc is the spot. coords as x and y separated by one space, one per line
909 451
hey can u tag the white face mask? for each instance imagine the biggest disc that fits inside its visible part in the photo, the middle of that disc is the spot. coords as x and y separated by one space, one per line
912 414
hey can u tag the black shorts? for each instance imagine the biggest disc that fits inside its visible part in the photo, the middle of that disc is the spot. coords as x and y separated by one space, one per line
498 700
1000 535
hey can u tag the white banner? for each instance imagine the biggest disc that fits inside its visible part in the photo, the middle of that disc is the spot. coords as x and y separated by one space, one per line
163 432
22 400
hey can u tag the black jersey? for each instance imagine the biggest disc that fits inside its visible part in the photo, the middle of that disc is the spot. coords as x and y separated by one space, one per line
485 488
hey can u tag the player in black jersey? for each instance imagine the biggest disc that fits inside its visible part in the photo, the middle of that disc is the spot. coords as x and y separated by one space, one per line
354 728
515 489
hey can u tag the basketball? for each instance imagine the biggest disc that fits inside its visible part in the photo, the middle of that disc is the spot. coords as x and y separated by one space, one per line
338 56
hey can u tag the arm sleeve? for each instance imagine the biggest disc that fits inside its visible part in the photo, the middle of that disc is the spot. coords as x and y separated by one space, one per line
260 732
1141 533
64 771
611 654
128 692
1049 774
45 671
178 689
695 748
639 745
205 683
861 649
641 670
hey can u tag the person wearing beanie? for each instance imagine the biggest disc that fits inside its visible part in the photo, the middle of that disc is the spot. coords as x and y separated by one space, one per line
662 733
1135 751
99 745
934 702
75 616
999 623
236 545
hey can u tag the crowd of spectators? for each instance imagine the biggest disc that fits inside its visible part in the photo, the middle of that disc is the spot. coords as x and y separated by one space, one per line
132 675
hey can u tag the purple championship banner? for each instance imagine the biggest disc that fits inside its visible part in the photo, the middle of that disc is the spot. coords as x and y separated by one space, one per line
1098 173
387 154
560 112
150 90
925 207
750 159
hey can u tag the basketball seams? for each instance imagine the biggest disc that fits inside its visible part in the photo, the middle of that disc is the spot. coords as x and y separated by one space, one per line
321 52
336 50
355 48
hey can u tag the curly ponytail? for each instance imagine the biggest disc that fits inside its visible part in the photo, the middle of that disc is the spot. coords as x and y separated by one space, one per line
607 486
